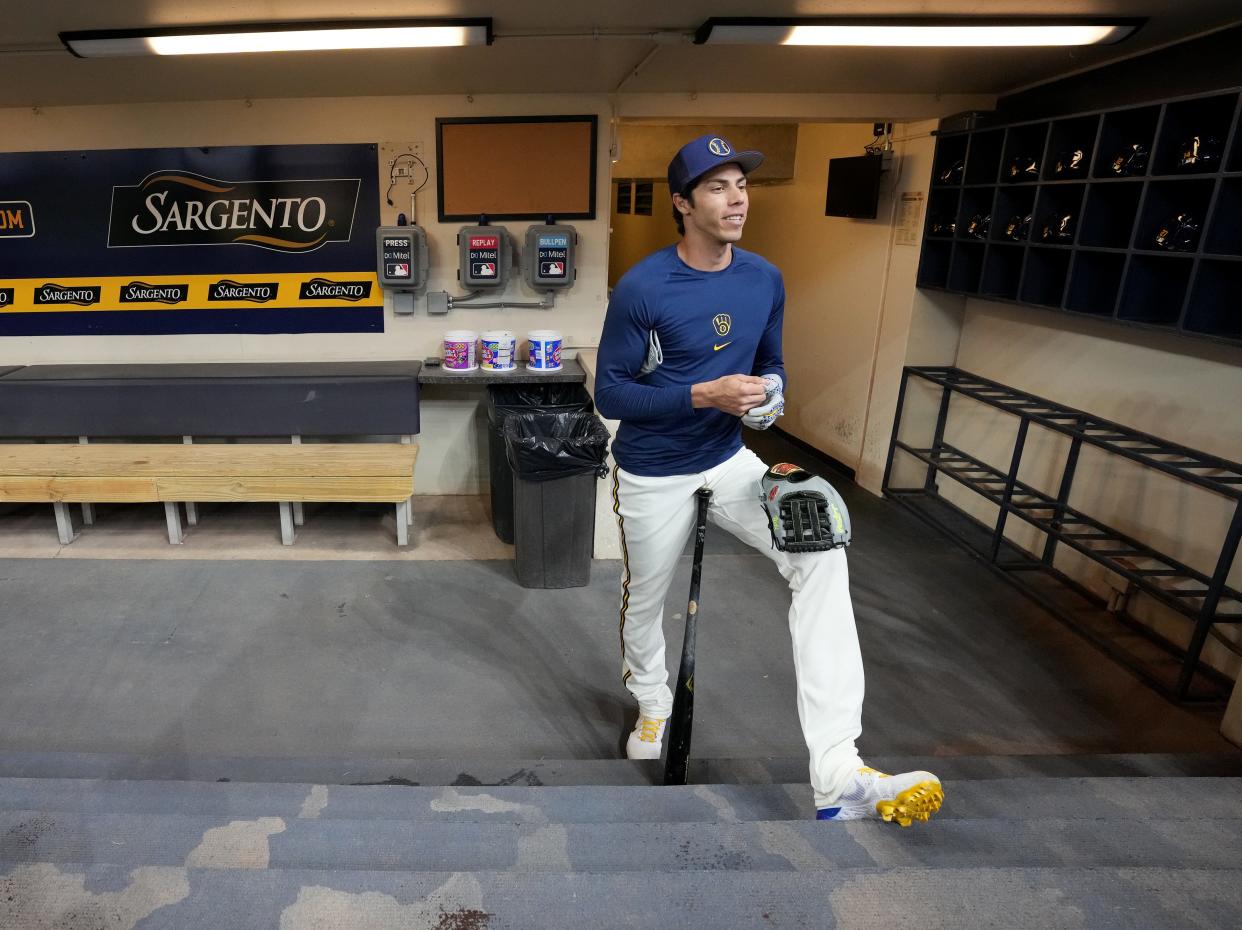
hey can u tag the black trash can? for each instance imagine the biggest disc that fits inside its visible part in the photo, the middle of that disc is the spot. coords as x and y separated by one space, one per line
506 399
556 459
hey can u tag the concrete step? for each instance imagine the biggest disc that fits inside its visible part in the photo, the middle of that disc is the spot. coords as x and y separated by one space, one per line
1112 799
355 770
138 840
176 898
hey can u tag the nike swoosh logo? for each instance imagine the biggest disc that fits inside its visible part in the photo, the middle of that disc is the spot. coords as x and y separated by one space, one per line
722 345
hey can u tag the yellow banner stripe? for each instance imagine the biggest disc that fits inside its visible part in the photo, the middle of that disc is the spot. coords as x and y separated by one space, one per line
22 299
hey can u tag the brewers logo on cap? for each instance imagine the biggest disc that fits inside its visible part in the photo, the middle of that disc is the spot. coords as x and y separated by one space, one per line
707 152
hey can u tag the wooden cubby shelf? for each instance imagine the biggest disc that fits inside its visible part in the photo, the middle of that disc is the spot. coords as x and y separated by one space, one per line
1224 235
1131 215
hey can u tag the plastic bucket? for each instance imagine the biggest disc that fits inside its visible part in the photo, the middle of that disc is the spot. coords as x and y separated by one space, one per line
545 350
497 350
459 350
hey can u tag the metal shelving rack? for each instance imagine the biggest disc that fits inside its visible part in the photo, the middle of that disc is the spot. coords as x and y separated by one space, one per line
1205 599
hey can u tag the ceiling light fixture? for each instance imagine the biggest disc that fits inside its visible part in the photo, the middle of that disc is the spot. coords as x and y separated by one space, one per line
935 32
279 37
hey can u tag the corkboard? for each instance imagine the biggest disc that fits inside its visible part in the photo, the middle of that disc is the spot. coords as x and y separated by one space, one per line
516 168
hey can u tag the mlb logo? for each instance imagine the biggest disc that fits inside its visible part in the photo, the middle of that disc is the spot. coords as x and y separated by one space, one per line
484 269
553 270
398 269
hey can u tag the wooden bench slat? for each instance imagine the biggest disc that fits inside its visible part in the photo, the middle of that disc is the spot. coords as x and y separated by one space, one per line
391 490
32 490
209 460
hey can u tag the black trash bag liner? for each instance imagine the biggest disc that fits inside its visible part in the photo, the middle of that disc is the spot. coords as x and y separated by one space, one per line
507 399
546 446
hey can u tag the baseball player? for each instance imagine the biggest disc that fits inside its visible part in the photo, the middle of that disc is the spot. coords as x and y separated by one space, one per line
691 351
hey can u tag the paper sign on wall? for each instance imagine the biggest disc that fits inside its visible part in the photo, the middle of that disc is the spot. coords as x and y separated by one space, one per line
909 218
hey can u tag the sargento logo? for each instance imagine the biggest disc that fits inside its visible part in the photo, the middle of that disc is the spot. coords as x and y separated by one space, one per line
16 219
256 292
323 289
180 208
58 294
139 292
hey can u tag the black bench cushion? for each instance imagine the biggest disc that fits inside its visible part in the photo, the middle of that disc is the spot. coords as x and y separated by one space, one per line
226 399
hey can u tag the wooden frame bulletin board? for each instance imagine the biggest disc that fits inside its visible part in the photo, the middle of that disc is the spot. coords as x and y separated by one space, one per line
516 167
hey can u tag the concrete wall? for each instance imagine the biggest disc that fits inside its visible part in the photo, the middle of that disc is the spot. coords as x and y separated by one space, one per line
645 148
635 237
852 315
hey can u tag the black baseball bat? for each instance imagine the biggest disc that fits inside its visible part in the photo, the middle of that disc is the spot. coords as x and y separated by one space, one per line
682 721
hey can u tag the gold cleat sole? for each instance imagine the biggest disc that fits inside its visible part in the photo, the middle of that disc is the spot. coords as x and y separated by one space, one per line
918 802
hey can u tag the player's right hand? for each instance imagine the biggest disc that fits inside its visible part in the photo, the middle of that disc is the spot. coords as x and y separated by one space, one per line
773 407
734 394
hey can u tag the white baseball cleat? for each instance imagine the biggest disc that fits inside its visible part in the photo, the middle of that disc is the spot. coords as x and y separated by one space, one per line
646 739
873 795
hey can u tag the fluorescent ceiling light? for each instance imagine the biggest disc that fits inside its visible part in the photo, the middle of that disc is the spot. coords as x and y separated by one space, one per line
279 37
915 32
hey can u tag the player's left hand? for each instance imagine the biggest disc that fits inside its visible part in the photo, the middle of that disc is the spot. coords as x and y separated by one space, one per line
773 406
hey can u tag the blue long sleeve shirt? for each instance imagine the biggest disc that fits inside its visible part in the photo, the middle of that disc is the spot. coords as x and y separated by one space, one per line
670 326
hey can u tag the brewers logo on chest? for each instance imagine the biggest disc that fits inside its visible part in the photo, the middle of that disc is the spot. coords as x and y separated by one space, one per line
722 323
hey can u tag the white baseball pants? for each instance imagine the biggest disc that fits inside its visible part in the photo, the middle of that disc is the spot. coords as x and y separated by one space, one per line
656 517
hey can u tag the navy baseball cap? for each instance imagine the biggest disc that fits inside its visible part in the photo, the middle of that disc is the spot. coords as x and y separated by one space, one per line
696 158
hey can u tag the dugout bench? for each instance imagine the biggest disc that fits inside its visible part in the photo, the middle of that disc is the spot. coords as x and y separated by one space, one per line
68 407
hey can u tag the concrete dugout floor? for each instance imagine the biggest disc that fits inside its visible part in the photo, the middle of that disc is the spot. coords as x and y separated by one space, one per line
450 658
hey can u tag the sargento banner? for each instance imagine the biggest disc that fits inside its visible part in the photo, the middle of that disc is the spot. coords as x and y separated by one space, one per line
258 292
258 239
82 295
139 292
177 208
325 289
